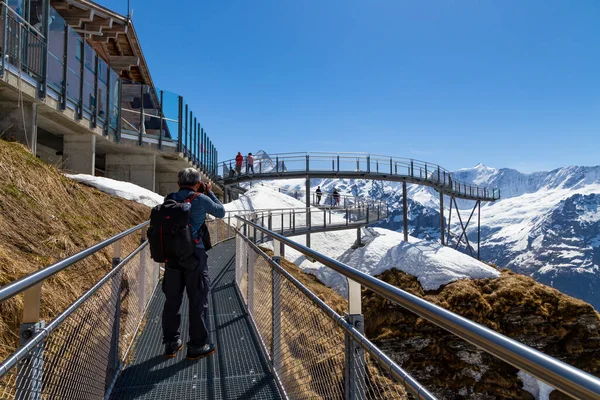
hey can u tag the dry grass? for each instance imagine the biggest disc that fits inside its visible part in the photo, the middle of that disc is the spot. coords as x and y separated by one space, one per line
45 217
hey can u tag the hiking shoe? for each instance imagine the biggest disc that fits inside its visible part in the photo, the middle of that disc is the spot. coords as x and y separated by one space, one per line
194 353
171 348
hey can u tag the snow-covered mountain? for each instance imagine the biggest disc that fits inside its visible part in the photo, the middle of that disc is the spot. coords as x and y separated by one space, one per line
546 225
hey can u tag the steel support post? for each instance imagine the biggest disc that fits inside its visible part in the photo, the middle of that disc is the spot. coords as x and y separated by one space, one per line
162 121
358 237
142 274
5 37
405 211
142 122
279 253
81 69
250 296
448 238
180 125
308 214
95 110
355 365
478 228
30 371
113 355
442 222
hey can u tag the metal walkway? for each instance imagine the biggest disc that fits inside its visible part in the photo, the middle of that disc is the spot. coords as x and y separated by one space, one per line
238 370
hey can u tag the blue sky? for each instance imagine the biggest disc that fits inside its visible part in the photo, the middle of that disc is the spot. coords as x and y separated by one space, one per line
509 83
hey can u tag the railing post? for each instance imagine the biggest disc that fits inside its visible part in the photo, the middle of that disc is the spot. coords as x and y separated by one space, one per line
338 163
81 72
180 126
391 170
412 168
142 274
278 254
5 37
367 213
30 372
307 163
294 221
228 225
113 355
324 218
276 163
425 170
354 371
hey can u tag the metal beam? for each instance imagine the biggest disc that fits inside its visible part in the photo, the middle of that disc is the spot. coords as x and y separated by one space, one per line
405 211
442 241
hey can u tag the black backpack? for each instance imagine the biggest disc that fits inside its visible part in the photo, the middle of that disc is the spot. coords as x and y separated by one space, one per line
170 231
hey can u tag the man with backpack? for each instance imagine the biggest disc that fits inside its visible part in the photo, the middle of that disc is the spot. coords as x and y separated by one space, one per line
178 237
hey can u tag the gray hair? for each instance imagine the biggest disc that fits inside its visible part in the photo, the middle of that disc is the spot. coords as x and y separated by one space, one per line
188 177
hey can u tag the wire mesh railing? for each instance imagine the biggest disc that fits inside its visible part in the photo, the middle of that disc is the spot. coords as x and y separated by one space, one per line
79 354
314 352
569 380
355 165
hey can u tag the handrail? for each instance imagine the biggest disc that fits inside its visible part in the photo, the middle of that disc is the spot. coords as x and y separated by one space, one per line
566 378
388 167
20 285
22 21
24 351
394 369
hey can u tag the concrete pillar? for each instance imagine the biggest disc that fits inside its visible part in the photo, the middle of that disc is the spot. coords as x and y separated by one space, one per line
79 153
137 169
166 183
19 123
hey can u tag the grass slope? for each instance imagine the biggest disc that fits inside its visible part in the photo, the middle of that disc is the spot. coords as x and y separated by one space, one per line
45 217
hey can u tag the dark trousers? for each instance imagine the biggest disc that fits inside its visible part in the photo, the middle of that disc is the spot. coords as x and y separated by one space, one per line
193 276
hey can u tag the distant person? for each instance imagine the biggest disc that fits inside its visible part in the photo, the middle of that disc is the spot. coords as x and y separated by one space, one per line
239 160
319 194
194 200
249 163
336 197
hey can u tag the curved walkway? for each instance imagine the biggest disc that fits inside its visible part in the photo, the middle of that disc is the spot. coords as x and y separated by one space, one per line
356 166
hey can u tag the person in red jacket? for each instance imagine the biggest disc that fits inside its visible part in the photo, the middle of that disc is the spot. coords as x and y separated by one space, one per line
239 160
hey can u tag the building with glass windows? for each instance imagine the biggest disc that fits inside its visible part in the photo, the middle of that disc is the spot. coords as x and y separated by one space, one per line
76 89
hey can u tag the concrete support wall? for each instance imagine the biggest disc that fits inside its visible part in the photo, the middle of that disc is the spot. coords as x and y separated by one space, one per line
19 123
79 153
137 169
166 182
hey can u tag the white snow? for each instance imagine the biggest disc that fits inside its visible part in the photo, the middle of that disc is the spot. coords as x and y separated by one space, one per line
433 265
125 190
539 389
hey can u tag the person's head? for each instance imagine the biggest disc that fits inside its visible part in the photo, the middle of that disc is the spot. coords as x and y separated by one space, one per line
190 177
318 187
249 154
239 153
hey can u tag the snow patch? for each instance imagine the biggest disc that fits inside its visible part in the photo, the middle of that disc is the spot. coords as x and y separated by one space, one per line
539 389
125 190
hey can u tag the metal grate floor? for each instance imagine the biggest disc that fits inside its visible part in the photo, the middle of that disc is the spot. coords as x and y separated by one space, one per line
238 370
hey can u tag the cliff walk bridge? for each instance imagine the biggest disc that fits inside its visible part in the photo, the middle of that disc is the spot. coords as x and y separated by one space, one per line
275 338
313 165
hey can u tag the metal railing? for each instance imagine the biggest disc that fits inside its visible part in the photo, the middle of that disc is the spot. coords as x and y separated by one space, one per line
565 378
329 199
357 165
290 221
314 352
23 46
81 351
